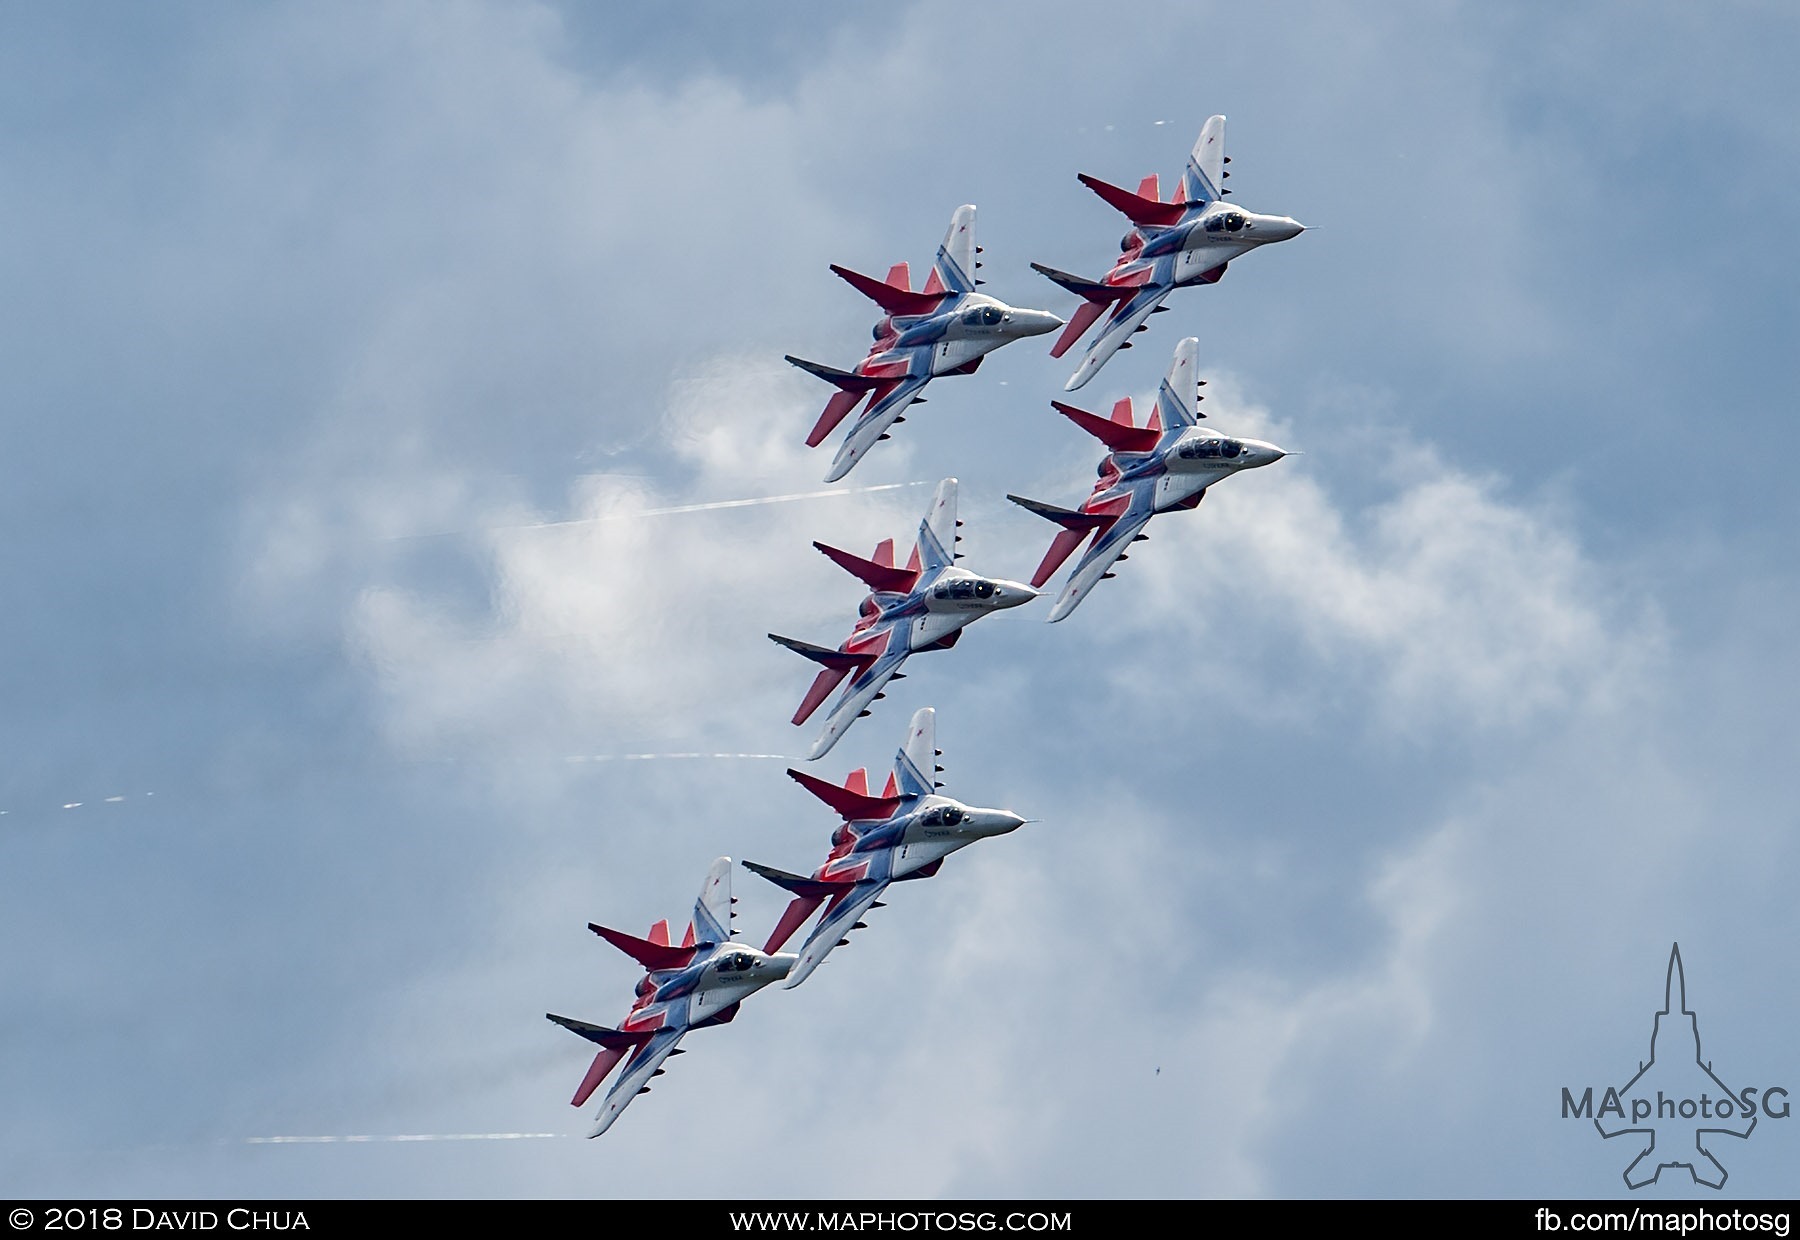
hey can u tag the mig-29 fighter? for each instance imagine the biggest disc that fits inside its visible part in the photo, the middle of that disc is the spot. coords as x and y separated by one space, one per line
945 328
906 832
697 984
1164 465
1185 241
924 606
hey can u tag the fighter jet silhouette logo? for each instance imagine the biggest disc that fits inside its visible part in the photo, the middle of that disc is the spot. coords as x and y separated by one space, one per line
1687 1103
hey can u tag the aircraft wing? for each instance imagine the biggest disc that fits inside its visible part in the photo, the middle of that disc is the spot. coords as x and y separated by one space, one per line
1204 179
1127 317
888 404
860 692
1178 398
1111 543
840 918
937 532
915 766
955 264
638 1071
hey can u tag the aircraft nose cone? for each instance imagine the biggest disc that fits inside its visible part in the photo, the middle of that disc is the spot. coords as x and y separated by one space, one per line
1281 228
1009 821
1012 593
1035 322
782 963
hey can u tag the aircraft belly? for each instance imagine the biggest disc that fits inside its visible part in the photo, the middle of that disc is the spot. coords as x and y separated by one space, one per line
1172 487
917 854
950 354
934 626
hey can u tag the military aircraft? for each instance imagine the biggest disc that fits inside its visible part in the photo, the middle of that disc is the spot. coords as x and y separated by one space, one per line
1164 465
1185 241
945 328
906 832
923 606
692 986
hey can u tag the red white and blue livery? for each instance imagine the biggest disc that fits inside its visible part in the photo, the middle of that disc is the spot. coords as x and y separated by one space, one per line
1162 466
924 606
1185 241
699 983
906 832
945 328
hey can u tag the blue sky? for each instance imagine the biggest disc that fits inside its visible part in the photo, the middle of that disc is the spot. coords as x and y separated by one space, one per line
1372 794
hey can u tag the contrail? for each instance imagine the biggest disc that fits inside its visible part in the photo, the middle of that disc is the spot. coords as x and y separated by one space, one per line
715 505
657 757
711 506
365 1138
112 800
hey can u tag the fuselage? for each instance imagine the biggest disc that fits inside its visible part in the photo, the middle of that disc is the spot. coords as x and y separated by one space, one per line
1183 468
949 339
1196 249
708 985
899 847
952 599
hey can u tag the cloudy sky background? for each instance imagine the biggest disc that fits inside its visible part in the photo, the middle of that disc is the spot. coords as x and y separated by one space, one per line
1372 794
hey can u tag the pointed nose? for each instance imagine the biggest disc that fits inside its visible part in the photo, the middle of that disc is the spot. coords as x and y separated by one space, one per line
1012 594
1034 322
1006 820
1278 227
781 964
1265 453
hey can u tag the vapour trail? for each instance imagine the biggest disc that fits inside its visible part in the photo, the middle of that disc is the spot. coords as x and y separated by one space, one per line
367 1138
659 757
715 505
68 805
674 509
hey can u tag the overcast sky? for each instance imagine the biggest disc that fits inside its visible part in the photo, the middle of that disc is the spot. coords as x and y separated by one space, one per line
1372 795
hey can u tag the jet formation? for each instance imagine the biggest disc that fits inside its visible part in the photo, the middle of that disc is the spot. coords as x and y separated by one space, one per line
1167 463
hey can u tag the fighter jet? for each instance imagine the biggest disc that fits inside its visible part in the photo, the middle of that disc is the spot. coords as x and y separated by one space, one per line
946 328
923 606
697 984
1187 240
1164 465
906 832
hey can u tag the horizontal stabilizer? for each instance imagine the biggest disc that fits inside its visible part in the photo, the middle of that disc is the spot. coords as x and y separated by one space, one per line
837 660
893 300
844 379
811 888
798 910
1137 209
1080 521
1115 435
1089 290
653 956
850 805
604 1062
611 1039
1084 317
878 576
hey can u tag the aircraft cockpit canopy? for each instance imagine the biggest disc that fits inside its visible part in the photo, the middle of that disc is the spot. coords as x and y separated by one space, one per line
983 316
964 587
735 962
1228 221
943 816
1209 449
